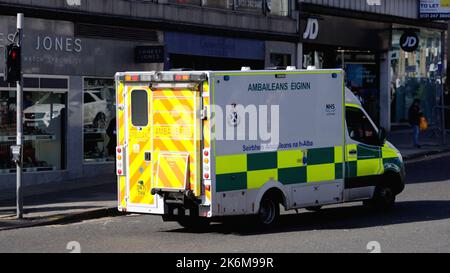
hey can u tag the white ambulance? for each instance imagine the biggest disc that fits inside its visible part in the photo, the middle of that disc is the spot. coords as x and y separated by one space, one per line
194 146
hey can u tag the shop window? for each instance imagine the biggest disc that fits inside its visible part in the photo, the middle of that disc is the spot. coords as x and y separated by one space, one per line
250 5
99 120
281 60
417 75
223 4
278 8
44 129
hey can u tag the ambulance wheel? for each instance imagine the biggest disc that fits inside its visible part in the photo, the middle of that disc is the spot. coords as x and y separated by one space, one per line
382 200
314 208
269 212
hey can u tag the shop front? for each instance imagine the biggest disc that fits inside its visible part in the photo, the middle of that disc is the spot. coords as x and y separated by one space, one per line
417 73
69 96
380 70
355 45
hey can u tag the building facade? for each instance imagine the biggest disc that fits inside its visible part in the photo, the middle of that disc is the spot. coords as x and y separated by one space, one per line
363 37
73 48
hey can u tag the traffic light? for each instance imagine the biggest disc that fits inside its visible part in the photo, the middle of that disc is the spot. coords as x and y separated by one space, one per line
13 66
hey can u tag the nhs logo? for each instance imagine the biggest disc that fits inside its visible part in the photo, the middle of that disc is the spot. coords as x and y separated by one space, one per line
330 109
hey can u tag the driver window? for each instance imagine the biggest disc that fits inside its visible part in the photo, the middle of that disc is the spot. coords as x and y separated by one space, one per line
359 127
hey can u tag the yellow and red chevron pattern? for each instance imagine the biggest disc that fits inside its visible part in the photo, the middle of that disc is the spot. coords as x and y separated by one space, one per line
172 171
120 140
176 130
139 171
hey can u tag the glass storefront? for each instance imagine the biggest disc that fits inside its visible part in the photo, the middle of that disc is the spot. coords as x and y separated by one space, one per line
44 104
280 59
270 7
416 75
361 72
99 119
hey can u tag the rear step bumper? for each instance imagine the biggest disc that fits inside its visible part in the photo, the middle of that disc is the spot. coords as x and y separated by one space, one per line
177 197
178 203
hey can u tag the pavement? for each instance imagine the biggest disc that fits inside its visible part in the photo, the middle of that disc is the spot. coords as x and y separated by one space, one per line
62 206
96 198
430 140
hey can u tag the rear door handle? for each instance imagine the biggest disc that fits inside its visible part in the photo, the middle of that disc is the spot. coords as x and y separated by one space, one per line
352 152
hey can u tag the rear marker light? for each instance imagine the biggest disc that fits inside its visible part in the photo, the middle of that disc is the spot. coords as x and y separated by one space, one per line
206 175
119 150
119 172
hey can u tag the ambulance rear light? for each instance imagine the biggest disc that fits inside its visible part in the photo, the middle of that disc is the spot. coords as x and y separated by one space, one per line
120 161
206 163
182 78
185 77
138 78
132 78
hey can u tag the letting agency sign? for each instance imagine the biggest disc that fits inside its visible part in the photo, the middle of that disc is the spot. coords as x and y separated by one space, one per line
434 9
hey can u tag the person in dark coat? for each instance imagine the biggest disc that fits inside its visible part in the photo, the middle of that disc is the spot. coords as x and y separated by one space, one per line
111 132
414 115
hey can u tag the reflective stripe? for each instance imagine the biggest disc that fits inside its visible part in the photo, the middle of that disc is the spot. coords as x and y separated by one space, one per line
231 164
255 179
323 172
250 171
368 167
338 154
290 158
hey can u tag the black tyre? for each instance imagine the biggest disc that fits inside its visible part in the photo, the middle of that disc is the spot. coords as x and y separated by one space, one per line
269 212
314 208
382 200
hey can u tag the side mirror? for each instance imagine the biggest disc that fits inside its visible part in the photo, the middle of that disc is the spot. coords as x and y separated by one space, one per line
382 135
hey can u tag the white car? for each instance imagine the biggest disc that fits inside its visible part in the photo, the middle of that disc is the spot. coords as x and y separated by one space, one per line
42 112
49 107
95 109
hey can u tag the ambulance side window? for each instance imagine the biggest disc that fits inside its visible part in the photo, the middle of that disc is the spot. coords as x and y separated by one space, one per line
359 127
139 108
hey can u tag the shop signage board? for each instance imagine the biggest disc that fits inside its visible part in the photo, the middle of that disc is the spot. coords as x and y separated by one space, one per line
409 41
434 9
149 54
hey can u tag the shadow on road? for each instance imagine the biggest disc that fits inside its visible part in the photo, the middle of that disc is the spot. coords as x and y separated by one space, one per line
353 217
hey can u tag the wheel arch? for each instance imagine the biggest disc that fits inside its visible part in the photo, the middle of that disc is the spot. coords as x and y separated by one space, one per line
272 187
394 179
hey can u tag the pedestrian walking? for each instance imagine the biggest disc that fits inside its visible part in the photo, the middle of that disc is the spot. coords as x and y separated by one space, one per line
415 113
